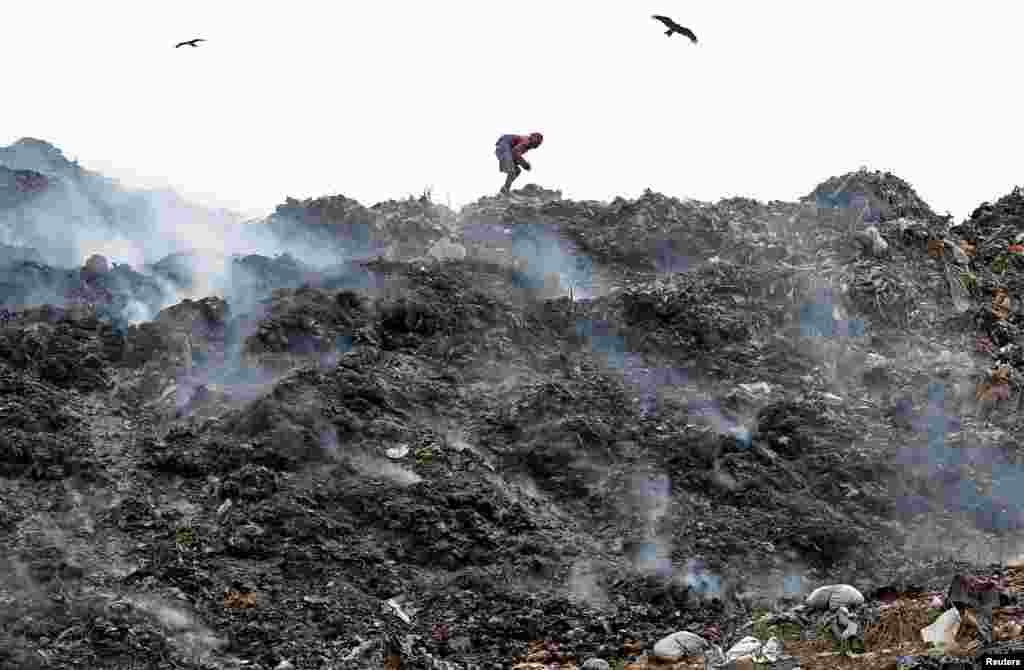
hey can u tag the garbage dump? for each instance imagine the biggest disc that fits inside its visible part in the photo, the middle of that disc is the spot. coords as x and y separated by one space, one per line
750 393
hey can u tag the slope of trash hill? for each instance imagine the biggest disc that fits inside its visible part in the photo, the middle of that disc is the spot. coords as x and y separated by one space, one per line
56 206
534 433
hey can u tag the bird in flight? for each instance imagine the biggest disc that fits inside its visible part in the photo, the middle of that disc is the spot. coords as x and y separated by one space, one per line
674 27
191 43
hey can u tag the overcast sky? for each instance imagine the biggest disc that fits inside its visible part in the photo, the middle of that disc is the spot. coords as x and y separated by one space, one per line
378 100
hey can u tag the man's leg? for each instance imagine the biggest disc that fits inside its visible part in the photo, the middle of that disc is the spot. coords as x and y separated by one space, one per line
509 178
511 172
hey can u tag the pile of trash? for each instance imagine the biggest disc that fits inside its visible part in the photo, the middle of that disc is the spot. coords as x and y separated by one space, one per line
395 229
880 196
715 304
502 209
307 321
992 241
833 622
69 348
331 222
437 468
42 434
994 230
413 224
653 232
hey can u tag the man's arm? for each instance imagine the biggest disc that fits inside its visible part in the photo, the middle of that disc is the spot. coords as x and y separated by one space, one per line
518 149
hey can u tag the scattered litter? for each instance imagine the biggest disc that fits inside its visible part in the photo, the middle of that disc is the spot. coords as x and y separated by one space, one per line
748 646
224 507
401 451
844 626
942 633
239 600
772 649
757 388
395 604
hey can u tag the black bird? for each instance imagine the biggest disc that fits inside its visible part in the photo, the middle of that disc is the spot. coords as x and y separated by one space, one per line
674 27
191 43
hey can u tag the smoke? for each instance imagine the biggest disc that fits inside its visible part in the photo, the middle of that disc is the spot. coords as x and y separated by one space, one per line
702 581
190 638
651 499
378 467
79 214
368 464
585 584
137 312
540 253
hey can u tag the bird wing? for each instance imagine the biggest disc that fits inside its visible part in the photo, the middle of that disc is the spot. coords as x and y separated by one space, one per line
688 33
664 19
180 44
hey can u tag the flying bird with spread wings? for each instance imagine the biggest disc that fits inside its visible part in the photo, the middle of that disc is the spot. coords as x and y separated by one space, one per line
191 43
674 27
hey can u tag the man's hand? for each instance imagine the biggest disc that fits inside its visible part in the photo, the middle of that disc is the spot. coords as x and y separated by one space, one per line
526 165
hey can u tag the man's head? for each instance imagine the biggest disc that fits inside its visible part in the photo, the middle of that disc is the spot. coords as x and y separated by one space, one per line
536 139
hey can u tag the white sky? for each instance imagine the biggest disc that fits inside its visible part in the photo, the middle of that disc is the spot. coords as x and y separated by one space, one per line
381 99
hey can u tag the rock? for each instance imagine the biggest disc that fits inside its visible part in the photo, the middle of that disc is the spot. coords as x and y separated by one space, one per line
834 596
596 664
679 645
284 665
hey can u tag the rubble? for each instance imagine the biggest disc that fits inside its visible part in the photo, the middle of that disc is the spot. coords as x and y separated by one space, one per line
396 229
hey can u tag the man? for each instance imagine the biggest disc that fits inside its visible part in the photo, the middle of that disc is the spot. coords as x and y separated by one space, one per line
510 150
